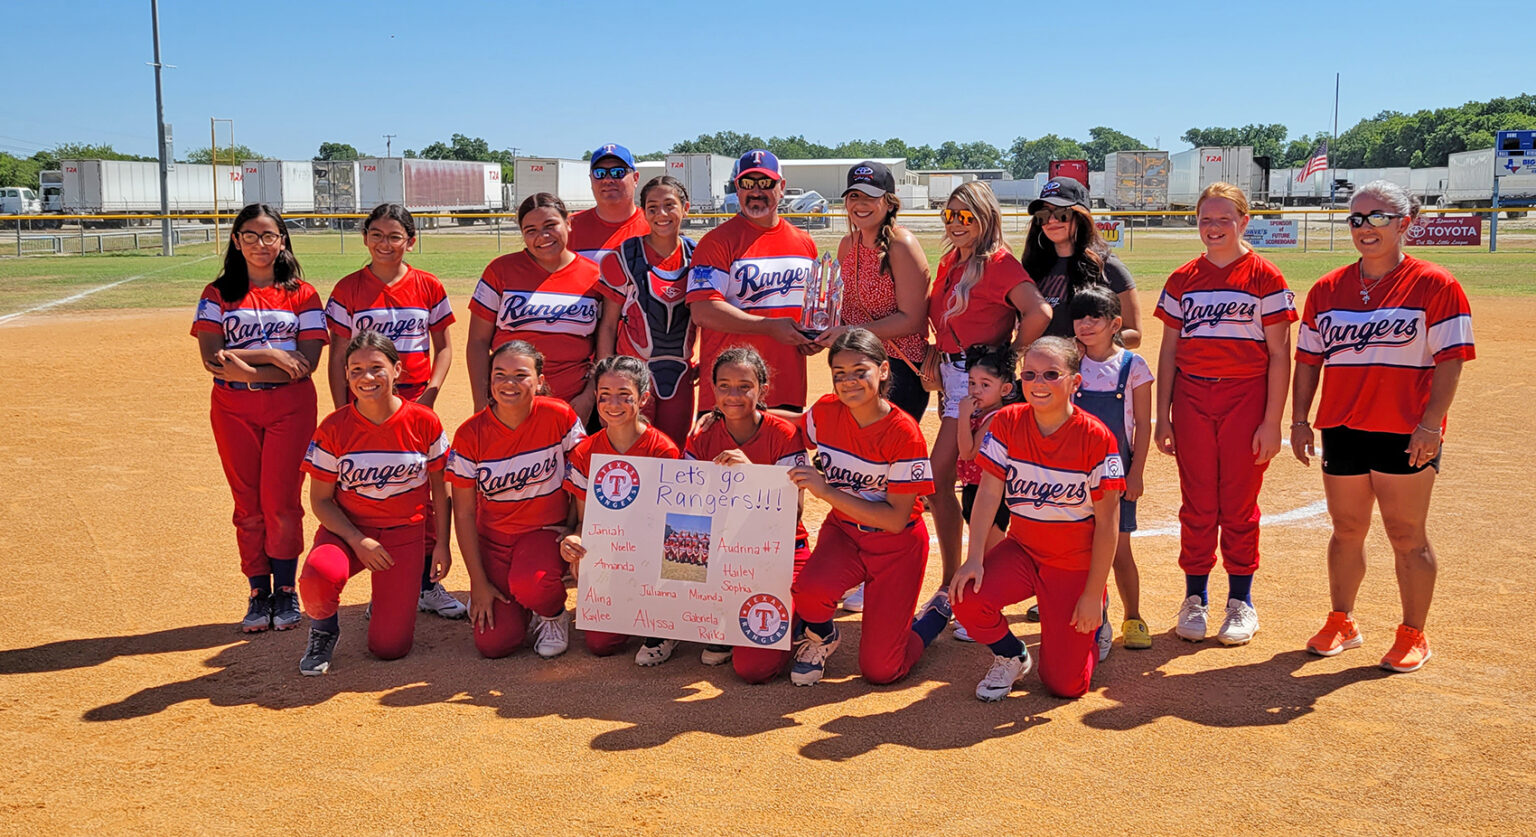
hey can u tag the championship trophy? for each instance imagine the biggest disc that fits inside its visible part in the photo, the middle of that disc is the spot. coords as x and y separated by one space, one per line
823 306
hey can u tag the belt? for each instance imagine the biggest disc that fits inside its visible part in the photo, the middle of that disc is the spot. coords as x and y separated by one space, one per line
242 385
1200 377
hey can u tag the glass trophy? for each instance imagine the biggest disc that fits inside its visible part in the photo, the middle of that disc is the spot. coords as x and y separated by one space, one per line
823 306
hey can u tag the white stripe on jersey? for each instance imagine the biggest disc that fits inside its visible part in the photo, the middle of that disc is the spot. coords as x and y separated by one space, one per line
405 327
439 447
257 328
540 310
1048 495
1225 314
790 460
765 284
1382 337
1450 333
338 314
320 458
523 476
441 311
379 475
855 475
596 256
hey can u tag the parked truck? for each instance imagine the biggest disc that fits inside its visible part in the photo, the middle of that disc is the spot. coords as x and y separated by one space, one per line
941 185
569 180
335 186
124 187
50 190
430 185
1191 171
1469 182
286 185
1135 180
704 176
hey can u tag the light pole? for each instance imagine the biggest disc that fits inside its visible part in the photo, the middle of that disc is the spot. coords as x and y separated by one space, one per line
389 143
167 248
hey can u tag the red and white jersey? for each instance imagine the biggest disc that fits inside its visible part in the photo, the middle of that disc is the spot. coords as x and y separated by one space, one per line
266 318
1379 359
762 272
989 317
887 457
557 312
652 444
518 473
406 311
380 470
1221 313
592 238
777 442
1051 482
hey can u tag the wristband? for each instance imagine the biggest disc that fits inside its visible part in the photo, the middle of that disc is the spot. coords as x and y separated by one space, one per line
1431 431
1302 423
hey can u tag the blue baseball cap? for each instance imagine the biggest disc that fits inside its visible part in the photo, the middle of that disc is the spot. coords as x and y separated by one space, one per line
758 161
612 150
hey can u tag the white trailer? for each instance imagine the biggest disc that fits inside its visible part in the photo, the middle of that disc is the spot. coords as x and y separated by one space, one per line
430 185
114 187
285 185
569 180
704 176
941 185
1096 193
1470 182
335 186
1193 170
1428 184
1019 192
913 196
1135 180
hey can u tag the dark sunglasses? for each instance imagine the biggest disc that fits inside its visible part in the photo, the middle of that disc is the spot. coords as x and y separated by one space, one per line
748 183
1063 214
964 216
613 172
1375 219
1049 375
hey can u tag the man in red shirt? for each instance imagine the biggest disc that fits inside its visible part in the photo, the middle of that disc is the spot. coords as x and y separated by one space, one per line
747 284
598 231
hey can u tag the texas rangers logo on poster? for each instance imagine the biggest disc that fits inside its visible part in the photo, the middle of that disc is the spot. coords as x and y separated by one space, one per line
678 549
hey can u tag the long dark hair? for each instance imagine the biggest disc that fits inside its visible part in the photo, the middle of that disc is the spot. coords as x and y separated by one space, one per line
233 281
864 342
1086 264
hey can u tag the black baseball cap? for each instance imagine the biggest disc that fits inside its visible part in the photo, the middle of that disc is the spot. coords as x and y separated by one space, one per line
1060 191
871 178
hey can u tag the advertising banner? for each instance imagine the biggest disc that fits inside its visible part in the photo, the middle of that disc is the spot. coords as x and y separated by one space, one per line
1272 233
1113 232
1447 230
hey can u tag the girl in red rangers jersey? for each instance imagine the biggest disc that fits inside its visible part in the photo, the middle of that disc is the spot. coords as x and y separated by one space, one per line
1222 372
410 307
1392 332
1059 470
871 466
549 296
742 434
507 469
623 385
259 330
374 466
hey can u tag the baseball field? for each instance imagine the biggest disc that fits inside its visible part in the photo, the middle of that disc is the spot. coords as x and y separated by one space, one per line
130 703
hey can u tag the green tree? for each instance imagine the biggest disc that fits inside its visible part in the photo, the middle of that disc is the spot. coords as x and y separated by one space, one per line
228 155
1267 140
337 151
1102 141
1027 157
729 143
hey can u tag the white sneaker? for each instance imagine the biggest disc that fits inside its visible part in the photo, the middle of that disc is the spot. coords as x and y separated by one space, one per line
1241 624
551 634
961 634
655 655
1001 677
715 655
441 602
811 657
854 601
1106 639
1190 624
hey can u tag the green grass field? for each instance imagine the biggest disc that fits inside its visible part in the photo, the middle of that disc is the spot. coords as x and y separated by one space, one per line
458 257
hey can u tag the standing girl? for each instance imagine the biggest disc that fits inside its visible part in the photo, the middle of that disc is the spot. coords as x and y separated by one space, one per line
1117 390
259 330
871 466
992 383
1059 471
741 434
507 469
1064 253
650 273
410 307
375 466
1223 370
623 386
983 293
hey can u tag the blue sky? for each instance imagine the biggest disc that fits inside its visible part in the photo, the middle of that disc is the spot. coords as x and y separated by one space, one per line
555 79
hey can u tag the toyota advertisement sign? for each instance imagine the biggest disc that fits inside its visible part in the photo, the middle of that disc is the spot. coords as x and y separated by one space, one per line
1446 230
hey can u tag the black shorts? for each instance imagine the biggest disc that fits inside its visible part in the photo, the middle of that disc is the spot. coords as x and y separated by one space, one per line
968 499
1350 453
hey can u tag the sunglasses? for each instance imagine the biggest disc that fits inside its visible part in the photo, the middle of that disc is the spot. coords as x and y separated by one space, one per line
760 183
612 173
1375 219
1062 215
1049 376
964 216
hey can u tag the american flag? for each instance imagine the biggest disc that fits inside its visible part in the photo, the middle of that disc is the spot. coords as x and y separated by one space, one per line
1319 162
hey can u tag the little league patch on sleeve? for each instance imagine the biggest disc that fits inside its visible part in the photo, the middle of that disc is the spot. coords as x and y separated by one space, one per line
616 484
1113 468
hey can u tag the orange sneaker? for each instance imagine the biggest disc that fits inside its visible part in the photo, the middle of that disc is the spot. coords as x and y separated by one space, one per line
1338 633
1409 653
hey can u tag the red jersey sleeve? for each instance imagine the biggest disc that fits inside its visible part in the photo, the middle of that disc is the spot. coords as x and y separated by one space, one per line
320 461
487 295
1168 309
463 455
910 469
711 263
1277 304
311 313
440 314
209 318
1309 344
1106 469
576 475
992 453
1450 323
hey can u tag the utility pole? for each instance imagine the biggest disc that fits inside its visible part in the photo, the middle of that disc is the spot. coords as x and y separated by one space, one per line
389 143
167 248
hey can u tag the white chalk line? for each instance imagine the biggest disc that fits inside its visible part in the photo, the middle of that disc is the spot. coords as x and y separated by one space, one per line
1299 515
85 293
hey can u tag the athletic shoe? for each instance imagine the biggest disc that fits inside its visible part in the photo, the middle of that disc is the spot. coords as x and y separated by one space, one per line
1105 637
437 600
854 601
258 613
317 656
655 655
1190 624
1241 623
1137 637
1338 634
940 603
1002 676
1033 614
811 657
368 612
551 634
1410 651
285 609
715 655
961 634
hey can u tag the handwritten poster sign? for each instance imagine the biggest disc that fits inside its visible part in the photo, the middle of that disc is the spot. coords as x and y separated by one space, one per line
688 550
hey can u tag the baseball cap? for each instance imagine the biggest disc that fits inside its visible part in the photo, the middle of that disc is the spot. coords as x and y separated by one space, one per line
1061 191
611 150
758 161
871 178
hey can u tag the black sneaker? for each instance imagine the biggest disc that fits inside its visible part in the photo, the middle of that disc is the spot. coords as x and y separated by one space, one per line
317 657
258 613
1033 614
285 609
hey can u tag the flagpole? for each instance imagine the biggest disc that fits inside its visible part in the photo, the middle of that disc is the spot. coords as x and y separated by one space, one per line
1332 149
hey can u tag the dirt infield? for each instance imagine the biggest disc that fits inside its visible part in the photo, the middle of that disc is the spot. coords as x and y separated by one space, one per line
129 702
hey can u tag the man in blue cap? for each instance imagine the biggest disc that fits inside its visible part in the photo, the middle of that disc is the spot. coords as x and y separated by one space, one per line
598 231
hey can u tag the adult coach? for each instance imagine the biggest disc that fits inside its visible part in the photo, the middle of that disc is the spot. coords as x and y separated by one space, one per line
598 231
748 282
1392 332
1064 252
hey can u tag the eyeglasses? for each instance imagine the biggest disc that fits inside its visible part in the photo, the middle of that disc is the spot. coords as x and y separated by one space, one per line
379 238
1061 215
253 238
759 183
964 216
1375 219
1050 376
612 173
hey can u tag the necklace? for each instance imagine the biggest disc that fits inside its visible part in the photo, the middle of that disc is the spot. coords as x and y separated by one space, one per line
1369 287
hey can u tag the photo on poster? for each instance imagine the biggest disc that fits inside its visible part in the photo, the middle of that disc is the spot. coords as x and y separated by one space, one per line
685 548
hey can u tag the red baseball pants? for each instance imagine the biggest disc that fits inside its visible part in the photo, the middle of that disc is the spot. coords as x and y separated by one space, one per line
1213 427
392 627
262 436
528 570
